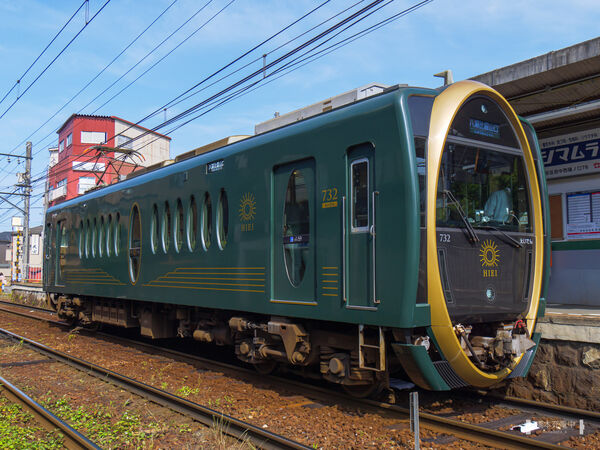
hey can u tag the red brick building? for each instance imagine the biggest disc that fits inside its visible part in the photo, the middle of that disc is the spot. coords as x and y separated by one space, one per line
77 166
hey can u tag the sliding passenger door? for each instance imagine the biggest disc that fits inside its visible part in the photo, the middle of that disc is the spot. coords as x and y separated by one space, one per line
293 234
360 237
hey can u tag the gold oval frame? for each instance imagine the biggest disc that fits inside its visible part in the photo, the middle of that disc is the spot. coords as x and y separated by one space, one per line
445 107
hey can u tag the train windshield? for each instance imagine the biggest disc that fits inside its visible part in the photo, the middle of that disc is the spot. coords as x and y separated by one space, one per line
482 177
488 187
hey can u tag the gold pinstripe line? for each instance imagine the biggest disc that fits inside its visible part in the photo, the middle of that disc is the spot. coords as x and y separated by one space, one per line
214 284
204 288
165 277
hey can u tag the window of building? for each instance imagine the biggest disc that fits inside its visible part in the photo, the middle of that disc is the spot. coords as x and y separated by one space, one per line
583 215
61 146
93 137
222 220
206 221
124 142
69 139
61 183
192 224
85 184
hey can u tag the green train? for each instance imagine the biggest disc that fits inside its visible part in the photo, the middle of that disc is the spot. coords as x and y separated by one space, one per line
401 236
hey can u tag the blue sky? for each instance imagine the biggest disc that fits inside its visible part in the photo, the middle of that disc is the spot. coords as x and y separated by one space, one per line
470 37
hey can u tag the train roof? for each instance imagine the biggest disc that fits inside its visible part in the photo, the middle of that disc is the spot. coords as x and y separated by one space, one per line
310 112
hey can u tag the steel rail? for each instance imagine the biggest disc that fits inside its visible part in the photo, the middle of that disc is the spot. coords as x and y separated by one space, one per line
547 407
428 420
230 425
72 438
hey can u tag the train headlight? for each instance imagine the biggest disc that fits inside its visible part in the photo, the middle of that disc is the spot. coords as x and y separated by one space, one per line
490 294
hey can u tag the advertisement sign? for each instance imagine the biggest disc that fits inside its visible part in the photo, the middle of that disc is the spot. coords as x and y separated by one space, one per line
571 154
583 215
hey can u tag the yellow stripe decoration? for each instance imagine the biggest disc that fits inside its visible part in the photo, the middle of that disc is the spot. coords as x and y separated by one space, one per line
223 279
91 276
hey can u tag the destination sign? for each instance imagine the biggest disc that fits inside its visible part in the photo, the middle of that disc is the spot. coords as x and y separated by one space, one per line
483 128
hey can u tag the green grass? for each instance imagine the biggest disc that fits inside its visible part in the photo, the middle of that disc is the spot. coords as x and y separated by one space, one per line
18 430
100 426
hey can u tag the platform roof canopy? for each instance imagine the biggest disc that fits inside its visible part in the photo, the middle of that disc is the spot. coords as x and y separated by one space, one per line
560 89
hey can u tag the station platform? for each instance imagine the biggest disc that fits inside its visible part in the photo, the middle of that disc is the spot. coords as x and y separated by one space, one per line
571 323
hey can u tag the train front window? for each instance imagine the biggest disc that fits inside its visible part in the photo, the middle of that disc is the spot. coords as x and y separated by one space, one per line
489 185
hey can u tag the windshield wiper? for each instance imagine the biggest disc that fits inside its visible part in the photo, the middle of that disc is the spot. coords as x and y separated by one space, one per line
470 231
491 227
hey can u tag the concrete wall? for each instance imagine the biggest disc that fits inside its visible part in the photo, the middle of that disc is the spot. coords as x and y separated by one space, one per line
566 368
154 148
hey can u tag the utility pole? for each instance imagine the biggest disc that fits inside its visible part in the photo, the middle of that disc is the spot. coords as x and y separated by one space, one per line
26 198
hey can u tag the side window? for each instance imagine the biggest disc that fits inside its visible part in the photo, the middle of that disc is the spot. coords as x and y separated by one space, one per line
192 224
206 221
179 227
135 243
108 235
296 228
117 234
166 228
81 239
360 195
101 237
154 236
222 220
88 232
94 237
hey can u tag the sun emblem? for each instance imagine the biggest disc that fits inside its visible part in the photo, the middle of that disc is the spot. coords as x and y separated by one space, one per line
490 256
247 207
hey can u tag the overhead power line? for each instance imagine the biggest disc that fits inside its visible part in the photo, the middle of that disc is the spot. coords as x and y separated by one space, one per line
17 83
53 60
95 77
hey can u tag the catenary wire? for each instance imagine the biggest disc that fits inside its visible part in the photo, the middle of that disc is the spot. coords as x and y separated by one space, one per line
54 60
42 53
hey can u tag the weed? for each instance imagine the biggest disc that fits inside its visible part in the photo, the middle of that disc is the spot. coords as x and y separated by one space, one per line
186 391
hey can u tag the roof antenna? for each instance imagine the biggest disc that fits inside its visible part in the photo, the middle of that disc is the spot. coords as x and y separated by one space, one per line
447 76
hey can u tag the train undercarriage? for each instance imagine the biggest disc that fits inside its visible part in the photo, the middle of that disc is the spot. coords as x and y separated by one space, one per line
337 353
354 356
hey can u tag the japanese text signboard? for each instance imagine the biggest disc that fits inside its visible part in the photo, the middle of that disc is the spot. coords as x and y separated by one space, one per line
571 154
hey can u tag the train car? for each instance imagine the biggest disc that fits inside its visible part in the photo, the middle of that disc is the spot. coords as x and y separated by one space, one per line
403 235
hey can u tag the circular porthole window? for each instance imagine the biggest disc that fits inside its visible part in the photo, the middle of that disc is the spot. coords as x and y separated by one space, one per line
192 224
206 221
222 220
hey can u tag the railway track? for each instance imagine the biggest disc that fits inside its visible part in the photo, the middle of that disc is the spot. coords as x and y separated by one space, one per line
432 422
231 426
72 439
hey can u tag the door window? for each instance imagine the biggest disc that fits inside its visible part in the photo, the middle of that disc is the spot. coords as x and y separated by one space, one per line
360 195
296 228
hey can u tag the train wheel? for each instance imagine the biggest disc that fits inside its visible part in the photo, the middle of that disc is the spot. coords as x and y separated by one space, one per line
265 368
